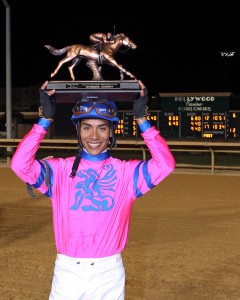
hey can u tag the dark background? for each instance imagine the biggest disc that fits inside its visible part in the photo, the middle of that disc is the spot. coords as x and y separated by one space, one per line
179 44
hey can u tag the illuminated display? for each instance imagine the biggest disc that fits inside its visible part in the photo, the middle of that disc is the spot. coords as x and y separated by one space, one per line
176 122
169 124
128 128
234 125
200 116
191 124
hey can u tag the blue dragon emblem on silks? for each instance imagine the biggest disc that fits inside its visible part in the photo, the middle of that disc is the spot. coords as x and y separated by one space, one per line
91 195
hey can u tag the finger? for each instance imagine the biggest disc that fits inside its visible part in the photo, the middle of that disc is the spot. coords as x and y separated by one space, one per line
142 86
43 87
50 92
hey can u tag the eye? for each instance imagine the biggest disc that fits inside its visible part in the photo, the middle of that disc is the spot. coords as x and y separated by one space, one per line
85 127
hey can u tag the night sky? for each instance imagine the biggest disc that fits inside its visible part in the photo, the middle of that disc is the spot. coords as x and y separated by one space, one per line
179 45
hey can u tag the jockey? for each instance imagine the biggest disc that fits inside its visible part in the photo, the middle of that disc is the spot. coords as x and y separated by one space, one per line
99 39
91 208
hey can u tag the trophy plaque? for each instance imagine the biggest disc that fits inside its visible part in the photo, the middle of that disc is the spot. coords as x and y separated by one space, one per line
101 52
115 90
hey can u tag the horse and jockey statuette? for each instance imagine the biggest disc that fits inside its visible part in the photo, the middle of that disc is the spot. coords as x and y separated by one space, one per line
101 52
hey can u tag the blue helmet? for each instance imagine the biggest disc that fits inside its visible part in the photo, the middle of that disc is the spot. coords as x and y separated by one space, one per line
101 109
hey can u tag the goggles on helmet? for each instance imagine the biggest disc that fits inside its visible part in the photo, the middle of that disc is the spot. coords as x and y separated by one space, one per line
101 108
97 109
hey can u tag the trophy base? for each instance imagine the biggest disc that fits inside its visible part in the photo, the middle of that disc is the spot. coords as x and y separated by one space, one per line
115 90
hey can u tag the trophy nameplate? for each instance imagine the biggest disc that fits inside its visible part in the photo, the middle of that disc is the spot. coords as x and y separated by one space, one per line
115 90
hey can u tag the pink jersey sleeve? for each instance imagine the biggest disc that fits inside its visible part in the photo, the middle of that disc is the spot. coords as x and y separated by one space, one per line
23 162
148 174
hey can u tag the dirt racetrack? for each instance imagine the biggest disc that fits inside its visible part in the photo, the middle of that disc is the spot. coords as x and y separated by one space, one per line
184 240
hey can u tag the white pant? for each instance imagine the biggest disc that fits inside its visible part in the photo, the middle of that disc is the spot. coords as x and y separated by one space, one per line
88 278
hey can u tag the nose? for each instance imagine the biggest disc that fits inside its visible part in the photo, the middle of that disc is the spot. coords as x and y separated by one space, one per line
94 133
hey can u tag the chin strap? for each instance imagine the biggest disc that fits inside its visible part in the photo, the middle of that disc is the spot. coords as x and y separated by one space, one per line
79 155
76 164
112 140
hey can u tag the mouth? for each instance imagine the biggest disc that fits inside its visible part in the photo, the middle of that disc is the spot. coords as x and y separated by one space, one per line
94 145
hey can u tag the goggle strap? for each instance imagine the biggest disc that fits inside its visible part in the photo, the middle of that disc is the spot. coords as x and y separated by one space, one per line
110 107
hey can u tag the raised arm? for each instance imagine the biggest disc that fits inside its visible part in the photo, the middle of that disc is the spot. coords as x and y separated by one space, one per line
23 162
